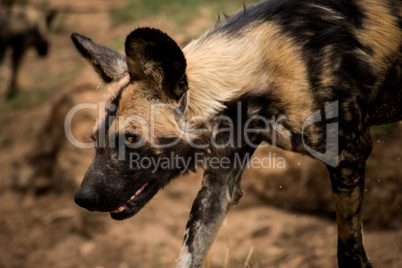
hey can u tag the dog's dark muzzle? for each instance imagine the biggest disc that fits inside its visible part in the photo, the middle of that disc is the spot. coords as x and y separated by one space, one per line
91 195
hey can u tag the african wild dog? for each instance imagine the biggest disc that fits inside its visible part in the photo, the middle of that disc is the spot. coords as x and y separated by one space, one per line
22 28
277 59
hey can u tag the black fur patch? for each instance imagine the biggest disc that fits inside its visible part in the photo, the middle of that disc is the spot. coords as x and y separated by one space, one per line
289 12
162 55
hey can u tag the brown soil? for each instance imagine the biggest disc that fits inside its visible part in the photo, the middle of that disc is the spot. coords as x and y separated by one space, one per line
285 218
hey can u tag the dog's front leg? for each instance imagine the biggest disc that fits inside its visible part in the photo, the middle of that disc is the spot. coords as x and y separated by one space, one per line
218 192
348 188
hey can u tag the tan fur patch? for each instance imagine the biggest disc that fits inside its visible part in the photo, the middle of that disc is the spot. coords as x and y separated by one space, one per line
138 115
221 68
380 33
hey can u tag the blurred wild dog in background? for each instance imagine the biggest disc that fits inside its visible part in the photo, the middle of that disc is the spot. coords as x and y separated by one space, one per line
309 76
23 27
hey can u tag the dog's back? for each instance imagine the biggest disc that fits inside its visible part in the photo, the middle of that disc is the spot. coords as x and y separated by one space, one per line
335 50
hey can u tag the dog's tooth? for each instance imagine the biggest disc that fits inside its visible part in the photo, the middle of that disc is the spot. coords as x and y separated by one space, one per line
141 189
138 193
131 198
120 209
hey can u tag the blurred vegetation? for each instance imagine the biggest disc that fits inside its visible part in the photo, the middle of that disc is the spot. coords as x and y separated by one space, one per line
6 141
31 98
178 11
386 129
117 43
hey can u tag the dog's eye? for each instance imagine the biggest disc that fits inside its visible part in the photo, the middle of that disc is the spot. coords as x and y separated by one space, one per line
129 140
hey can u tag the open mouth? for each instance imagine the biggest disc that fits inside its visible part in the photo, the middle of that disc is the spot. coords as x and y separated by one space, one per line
135 203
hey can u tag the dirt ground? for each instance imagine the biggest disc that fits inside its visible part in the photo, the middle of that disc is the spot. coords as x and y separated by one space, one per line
285 219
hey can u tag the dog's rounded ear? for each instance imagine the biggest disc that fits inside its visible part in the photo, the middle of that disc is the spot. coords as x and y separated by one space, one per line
108 63
152 55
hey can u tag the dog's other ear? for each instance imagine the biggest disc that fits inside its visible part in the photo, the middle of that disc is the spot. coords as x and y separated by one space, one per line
108 63
155 57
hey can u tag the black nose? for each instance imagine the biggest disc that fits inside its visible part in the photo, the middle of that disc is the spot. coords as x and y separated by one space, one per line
86 198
